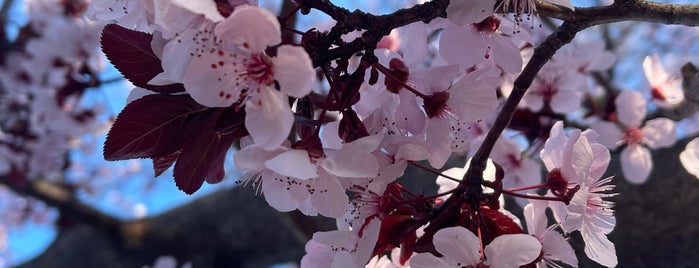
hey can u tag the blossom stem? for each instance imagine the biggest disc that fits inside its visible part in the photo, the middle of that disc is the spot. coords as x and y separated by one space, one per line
542 185
536 197
388 74
417 165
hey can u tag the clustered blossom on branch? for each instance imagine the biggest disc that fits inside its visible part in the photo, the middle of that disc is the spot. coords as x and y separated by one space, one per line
326 125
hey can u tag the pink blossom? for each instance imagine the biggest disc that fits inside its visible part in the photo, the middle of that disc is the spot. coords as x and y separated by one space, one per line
581 161
473 44
342 248
554 246
461 248
690 157
665 89
241 73
636 161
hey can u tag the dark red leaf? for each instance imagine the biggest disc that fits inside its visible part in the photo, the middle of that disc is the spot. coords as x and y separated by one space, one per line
153 126
497 224
202 157
160 164
131 54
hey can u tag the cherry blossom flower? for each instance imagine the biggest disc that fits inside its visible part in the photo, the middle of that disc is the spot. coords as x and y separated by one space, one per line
461 248
472 44
636 162
290 179
581 161
242 73
554 246
555 89
342 248
520 170
689 157
665 89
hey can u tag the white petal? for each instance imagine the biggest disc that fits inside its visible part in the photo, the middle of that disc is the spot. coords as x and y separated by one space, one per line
565 101
329 197
253 28
609 134
577 159
427 260
552 154
636 164
472 100
505 53
598 247
556 247
208 85
294 71
458 245
690 157
462 12
630 108
293 163
269 119
601 158
462 45
512 250
280 194
252 158
659 133
654 72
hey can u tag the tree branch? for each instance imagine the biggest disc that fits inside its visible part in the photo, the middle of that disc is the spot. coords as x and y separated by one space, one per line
62 197
625 11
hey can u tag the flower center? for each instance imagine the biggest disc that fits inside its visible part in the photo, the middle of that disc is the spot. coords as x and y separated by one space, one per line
259 68
490 24
633 136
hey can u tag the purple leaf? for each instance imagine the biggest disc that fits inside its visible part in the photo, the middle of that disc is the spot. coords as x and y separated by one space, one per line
160 164
202 157
154 126
131 54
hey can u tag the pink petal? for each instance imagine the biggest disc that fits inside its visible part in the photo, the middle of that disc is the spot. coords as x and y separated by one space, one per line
690 157
472 100
458 245
293 163
636 164
556 247
654 72
598 247
609 134
659 133
250 27
427 260
294 71
269 119
462 45
552 154
505 53
209 86
565 101
601 158
329 197
512 250
280 194
630 108
462 12
252 158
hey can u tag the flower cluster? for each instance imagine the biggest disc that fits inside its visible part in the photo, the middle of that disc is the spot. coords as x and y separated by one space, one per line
326 131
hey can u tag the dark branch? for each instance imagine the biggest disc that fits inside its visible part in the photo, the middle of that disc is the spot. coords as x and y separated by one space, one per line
626 11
